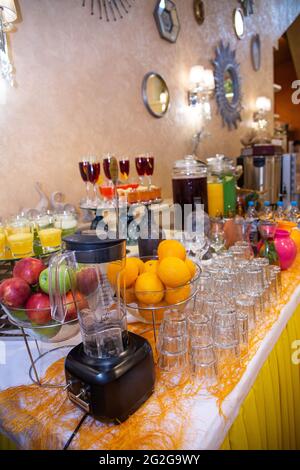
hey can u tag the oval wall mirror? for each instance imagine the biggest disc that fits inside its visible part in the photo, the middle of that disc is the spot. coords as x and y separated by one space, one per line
156 94
239 23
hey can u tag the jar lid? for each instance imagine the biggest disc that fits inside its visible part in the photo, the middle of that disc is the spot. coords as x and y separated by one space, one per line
189 166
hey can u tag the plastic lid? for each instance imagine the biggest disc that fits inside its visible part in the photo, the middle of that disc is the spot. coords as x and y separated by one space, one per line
294 204
250 204
279 204
266 203
91 249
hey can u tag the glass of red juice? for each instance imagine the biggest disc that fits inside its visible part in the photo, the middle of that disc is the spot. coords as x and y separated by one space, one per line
93 176
124 165
106 167
83 168
150 168
141 167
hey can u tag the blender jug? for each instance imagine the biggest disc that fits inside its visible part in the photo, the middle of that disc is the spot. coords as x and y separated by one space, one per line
91 275
111 373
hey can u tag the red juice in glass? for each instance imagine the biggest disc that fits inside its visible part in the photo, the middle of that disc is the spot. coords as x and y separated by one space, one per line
83 167
94 172
124 168
141 166
149 166
106 165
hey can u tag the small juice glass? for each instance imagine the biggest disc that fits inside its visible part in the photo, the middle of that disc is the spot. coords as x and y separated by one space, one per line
50 239
21 244
66 222
2 241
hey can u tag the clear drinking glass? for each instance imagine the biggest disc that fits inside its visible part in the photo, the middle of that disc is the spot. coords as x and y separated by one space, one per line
203 363
245 306
174 324
200 329
243 329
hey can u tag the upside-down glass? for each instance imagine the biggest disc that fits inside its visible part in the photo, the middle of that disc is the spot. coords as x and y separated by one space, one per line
200 329
245 306
203 363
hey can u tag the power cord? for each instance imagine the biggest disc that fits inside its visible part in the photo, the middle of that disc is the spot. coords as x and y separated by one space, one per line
67 445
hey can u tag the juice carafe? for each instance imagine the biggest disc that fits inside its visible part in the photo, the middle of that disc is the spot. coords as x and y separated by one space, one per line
215 186
189 181
229 186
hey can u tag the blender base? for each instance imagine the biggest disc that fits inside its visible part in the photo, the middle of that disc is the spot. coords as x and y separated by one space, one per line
111 389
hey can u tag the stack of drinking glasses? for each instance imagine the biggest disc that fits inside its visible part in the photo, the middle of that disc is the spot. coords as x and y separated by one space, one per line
236 298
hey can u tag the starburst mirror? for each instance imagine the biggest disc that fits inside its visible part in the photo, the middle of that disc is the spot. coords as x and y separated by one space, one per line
228 85
109 10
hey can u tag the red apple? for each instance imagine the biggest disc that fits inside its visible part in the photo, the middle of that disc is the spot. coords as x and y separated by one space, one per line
87 280
38 309
14 292
29 270
71 307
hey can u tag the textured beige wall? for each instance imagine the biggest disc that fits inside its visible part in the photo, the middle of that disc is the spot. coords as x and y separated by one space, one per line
79 84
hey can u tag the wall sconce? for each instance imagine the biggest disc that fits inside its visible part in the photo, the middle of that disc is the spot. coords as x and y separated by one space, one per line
202 85
8 14
263 106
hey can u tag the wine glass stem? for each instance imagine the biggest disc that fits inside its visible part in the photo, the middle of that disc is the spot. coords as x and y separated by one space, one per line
87 191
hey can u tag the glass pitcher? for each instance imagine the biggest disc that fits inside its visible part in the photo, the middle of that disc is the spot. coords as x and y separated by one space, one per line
87 279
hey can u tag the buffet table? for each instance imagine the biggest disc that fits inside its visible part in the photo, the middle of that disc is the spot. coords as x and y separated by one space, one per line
261 412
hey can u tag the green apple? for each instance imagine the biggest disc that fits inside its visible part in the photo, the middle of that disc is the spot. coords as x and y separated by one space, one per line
64 280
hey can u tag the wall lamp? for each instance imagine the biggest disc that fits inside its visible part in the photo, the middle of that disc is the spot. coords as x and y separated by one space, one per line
201 88
8 14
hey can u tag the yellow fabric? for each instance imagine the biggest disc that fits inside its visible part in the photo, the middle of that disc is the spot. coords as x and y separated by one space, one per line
269 418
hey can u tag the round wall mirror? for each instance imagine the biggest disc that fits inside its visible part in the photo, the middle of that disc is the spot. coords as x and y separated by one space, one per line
156 94
239 23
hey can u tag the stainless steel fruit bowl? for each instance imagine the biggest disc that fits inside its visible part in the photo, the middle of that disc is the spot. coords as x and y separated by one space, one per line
49 332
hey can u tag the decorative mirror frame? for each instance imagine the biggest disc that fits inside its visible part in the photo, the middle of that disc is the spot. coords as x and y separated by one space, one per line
225 60
167 9
248 7
199 11
256 52
240 11
145 96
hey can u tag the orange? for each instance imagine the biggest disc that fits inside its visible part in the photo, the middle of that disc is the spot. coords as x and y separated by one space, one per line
151 266
173 272
140 264
149 289
147 314
129 295
113 269
175 296
191 266
168 248
130 273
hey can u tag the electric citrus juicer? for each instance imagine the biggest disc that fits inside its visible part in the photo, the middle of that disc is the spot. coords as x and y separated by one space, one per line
111 373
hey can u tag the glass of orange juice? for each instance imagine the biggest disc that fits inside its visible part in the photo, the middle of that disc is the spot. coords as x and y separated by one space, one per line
17 224
50 239
20 244
2 241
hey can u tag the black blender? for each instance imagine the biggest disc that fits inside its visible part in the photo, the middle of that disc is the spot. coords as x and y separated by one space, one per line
111 373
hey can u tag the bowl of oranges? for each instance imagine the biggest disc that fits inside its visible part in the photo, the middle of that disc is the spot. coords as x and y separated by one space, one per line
152 285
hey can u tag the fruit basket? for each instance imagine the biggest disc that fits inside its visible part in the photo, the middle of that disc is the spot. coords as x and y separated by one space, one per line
156 302
49 331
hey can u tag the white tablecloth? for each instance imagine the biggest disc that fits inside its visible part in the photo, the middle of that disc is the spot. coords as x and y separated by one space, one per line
207 429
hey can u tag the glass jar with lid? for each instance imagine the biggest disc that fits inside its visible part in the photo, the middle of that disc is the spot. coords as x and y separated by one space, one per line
189 181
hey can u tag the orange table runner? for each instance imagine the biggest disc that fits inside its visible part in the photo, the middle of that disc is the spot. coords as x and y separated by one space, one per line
43 418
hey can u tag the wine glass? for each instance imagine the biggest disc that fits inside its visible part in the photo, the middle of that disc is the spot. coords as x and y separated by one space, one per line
83 168
217 235
149 167
196 244
106 167
93 175
124 165
141 167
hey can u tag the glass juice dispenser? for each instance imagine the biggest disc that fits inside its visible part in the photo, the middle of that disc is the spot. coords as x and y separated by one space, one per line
189 182
111 373
229 188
